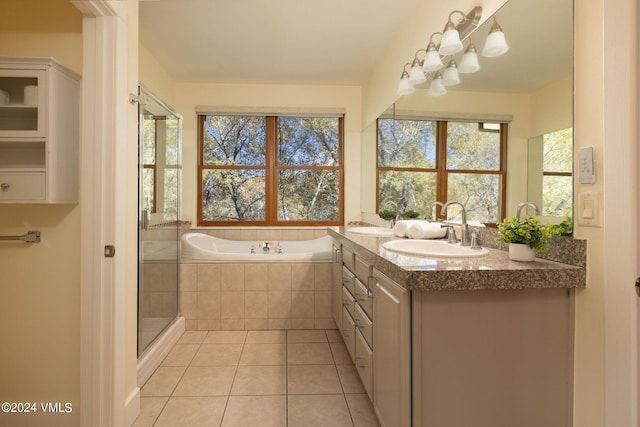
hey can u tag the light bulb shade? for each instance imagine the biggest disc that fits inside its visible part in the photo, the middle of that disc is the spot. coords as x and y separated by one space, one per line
450 43
436 88
416 75
469 62
432 60
495 45
451 76
405 87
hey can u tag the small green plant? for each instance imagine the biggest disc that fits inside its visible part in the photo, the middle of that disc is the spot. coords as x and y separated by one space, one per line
410 214
387 214
528 231
565 228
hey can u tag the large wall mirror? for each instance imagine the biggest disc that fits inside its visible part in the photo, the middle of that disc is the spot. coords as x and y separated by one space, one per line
530 88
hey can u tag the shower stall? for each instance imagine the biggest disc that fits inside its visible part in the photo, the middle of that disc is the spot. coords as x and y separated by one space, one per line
159 229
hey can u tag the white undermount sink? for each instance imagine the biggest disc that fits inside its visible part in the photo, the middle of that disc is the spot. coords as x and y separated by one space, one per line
435 248
372 231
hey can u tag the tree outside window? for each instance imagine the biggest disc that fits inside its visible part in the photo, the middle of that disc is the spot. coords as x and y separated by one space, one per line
270 170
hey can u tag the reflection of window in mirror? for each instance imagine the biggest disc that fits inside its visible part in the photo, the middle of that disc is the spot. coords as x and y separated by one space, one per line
421 161
550 172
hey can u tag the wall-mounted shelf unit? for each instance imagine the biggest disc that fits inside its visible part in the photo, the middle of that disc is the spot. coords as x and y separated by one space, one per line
39 131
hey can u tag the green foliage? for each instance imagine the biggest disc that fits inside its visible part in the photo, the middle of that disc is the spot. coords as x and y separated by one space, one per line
528 231
410 214
387 214
565 228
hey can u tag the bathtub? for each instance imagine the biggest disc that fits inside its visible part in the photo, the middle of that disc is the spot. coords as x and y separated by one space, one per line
204 247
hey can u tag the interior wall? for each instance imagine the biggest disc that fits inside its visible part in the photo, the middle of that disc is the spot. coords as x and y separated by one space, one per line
346 98
154 78
40 351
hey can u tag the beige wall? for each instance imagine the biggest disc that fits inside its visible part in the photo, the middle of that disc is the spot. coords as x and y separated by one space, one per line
40 351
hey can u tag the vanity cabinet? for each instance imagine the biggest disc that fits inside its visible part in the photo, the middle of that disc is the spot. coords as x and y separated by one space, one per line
392 338
39 131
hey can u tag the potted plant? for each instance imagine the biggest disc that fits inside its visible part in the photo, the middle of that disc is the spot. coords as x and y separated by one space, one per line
524 236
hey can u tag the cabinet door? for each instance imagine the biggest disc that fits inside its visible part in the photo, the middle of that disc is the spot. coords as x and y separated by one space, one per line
364 362
23 100
336 285
348 332
391 340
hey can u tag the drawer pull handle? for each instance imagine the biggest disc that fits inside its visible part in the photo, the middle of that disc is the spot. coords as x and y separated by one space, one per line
346 302
359 297
5 185
359 362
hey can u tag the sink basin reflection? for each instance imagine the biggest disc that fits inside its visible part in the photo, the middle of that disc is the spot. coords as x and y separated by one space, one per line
372 231
436 248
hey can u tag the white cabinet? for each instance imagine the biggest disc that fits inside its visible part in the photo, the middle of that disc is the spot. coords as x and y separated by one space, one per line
336 285
392 363
39 131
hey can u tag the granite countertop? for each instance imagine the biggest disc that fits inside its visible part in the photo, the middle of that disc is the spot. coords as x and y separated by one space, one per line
493 271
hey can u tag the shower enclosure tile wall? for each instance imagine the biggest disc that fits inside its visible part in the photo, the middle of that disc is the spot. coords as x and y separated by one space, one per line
241 296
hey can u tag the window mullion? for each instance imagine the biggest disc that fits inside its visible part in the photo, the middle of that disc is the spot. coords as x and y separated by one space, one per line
271 173
441 165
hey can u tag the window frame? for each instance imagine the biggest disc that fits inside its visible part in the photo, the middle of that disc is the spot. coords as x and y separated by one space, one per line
271 169
441 170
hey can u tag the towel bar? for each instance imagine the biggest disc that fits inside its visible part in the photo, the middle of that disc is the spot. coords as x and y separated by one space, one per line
32 236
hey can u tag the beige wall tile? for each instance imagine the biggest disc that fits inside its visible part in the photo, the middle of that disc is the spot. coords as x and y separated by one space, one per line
279 305
302 323
302 276
279 323
256 277
232 277
225 337
256 324
302 305
322 276
232 324
325 323
208 277
306 235
209 305
209 325
323 304
231 305
256 304
280 277
191 325
266 337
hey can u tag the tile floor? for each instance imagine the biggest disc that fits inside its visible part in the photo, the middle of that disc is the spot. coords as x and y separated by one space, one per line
289 378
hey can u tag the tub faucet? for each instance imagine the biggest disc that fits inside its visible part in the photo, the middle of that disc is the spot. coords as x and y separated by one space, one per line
465 238
530 204
265 248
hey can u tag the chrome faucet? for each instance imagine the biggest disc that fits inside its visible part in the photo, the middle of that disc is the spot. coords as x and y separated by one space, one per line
465 238
530 204
433 205
394 205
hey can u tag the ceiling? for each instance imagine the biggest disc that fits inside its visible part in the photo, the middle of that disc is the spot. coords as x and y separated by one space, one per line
337 42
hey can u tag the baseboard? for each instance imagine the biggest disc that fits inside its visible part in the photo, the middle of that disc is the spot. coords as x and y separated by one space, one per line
151 359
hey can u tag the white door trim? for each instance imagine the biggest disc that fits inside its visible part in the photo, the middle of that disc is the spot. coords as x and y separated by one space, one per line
102 329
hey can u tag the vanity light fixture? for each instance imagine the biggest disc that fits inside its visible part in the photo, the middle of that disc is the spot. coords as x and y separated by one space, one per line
432 59
416 74
469 62
437 88
451 43
451 76
496 44
405 87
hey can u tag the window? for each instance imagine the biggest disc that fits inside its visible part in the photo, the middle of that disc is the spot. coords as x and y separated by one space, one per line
421 161
268 170
557 177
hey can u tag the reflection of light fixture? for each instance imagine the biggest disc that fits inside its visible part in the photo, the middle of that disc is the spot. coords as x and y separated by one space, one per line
416 74
405 87
469 62
450 76
437 88
450 43
432 60
495 45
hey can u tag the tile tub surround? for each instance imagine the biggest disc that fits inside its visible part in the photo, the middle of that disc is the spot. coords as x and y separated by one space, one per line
494 271
244 296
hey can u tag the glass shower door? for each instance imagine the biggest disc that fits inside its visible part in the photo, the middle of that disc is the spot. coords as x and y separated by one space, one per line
159 220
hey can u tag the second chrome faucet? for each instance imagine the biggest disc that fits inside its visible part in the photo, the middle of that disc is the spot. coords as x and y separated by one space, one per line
465 238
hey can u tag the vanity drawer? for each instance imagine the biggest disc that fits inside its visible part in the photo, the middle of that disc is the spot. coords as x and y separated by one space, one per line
364 363
22 186
364 325
348 301
347 259
363 270
348 280
348 332
364 297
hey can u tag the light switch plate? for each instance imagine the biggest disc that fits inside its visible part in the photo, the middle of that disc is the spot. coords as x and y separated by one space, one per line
589 208
586 174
